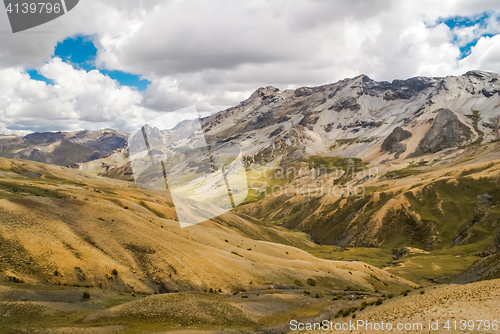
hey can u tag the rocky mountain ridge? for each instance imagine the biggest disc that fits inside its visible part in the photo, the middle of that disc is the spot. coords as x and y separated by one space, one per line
63 148
354 117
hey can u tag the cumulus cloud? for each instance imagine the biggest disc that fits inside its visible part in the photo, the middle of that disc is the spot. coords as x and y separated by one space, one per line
203 54
485 55
213 54
77 100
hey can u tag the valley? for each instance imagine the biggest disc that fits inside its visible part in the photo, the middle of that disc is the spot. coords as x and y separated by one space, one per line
364 198
65 233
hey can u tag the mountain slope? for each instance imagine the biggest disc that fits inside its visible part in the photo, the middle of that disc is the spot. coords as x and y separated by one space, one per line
486 268
471 304
425 205
61 226
62 148
353 118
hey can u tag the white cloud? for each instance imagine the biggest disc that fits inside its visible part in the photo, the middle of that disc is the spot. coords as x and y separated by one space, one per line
466 35
214 53
485 55
78 100
207 50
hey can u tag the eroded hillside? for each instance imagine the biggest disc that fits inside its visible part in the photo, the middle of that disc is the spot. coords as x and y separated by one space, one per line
445 206
60 226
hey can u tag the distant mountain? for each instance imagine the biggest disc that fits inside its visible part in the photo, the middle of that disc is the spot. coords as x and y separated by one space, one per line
63 148
353 118
358 117
108 234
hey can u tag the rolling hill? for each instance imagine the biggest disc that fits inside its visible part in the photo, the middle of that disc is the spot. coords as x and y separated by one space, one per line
75 229
358 190
62 148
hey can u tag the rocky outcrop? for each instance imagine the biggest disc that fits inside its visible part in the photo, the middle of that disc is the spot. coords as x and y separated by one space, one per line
446 132
310 119
392 143
344 103
406 89
44 137
276 132
486 268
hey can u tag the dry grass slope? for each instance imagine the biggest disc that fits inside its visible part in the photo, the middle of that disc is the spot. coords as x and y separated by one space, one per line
62 229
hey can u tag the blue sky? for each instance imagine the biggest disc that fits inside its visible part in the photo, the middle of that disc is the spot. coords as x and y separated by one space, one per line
81 53
455 23
216 54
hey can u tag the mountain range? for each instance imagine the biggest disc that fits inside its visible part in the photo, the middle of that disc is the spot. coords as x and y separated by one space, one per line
63 148
398 188
357 117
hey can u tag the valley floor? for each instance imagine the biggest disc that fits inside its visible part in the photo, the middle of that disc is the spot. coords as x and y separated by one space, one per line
82 254
29 309
469 308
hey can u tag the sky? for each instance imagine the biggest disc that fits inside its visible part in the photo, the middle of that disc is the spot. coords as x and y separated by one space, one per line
120 63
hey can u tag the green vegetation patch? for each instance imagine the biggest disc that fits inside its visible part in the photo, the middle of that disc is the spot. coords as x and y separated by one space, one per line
456 210
157 213
343 141
13 190
404 172
317 161
334 227
477 170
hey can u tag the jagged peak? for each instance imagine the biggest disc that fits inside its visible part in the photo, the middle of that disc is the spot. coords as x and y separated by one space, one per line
363 78
264 91
479 73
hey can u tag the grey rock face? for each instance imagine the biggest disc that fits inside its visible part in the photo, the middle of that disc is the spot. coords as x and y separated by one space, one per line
447 131
276 132
406 89
347 102
392 143
44 137
309 120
